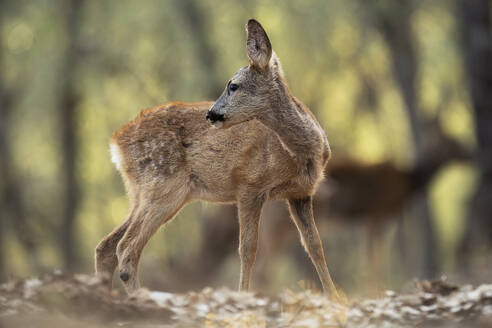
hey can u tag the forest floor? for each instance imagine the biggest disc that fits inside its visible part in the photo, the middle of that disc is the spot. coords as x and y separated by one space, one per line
66 300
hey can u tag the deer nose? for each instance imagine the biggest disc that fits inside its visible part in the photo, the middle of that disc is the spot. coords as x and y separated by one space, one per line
214 117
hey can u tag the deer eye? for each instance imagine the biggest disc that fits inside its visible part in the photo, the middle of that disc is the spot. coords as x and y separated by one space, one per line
233 87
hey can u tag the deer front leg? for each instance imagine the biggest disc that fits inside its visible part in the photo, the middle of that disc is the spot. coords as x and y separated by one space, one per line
249 212
301 211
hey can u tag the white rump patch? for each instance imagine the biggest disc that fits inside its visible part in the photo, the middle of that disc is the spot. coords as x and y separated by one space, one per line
115 155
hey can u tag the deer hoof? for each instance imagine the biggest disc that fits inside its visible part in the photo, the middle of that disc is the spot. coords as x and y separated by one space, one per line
124 276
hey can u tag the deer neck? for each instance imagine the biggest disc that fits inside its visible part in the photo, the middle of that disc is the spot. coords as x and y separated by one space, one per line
298 131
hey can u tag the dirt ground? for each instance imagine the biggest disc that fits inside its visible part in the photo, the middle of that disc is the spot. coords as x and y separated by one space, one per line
66 300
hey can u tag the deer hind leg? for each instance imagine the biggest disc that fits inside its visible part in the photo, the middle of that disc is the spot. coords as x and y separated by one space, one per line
156 208
106 260
301 211
249 212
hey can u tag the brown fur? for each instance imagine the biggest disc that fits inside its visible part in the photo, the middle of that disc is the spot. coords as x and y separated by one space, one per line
271 147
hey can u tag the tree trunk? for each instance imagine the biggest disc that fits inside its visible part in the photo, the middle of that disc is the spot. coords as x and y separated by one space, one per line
4 159
196 22
395 25
67 114
476 42
3 151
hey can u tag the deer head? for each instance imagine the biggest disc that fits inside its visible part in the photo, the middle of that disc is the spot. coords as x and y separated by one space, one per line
253 89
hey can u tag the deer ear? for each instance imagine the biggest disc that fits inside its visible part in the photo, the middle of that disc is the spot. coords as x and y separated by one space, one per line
258 45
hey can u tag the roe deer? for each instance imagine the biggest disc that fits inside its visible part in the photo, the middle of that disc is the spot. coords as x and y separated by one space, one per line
256 143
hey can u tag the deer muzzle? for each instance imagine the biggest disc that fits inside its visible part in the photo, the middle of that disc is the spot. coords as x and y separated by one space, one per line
215 117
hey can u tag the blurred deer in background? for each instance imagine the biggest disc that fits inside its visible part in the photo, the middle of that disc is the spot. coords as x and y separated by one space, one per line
371 193
263 144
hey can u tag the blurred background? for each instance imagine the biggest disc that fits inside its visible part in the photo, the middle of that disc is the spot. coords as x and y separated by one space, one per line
403 90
